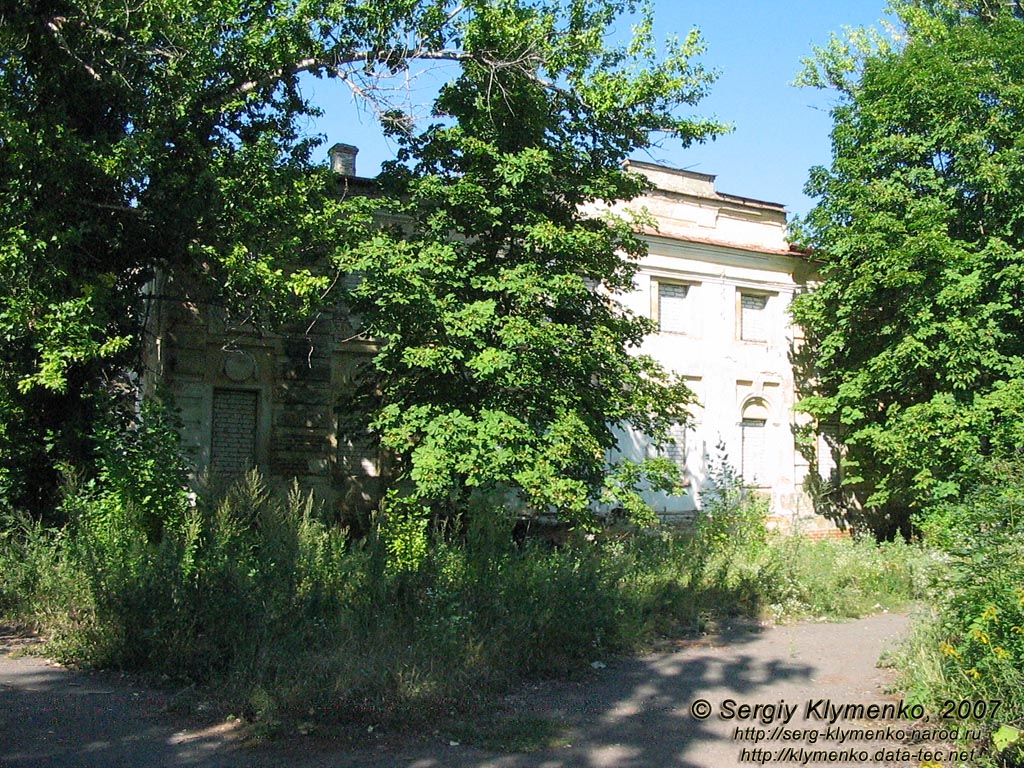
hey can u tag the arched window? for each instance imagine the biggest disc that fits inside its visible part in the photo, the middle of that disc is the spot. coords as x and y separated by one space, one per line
753 434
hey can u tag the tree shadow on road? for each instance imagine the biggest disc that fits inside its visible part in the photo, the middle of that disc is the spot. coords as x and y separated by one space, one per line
54 717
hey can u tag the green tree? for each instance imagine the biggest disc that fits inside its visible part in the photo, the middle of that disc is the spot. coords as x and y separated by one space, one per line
915 333
506 362
145 137
165 137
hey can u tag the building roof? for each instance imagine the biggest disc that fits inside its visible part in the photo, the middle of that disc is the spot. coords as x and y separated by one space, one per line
694 184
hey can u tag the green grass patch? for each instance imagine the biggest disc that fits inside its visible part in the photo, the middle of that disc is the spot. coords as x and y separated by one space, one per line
970 645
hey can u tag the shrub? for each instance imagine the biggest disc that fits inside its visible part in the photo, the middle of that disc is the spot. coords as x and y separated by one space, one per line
254 596
27 551
788 576
973 645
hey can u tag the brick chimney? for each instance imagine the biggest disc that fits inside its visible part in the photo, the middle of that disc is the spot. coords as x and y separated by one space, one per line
343 159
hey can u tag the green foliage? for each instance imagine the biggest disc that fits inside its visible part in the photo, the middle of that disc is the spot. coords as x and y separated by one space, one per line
974 646
787 576
27 552
843 578
167 139
915 332
137 139
506 361
262 605
405 539
730 514
140 465
970 645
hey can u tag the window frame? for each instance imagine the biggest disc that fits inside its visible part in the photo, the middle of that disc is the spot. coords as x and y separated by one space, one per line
656 314
253 438
765 324
755 418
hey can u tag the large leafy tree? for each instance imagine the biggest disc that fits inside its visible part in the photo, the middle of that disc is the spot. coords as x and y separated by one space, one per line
165 137
506 362
156 136
915 333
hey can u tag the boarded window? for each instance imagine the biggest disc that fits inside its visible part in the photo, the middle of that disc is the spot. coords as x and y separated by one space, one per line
673 308
675 449
755 451
233 438
828 466
754 437
357 450
753 314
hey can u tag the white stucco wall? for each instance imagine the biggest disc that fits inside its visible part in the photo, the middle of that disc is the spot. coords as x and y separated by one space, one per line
721 247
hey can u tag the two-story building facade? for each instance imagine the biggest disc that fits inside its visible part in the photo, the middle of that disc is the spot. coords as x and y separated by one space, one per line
717 281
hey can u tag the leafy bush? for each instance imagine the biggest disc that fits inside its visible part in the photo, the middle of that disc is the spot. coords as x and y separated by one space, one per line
255 597
27 550
973 645
789 576
732 517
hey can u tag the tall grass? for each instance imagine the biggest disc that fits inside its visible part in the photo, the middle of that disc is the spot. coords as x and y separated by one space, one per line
255 597
283 616
971 645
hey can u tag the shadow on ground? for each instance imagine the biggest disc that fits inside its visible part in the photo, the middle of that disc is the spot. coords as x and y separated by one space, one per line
54 717
633 713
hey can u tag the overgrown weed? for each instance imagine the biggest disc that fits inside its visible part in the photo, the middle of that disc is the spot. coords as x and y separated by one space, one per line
970 647
255 597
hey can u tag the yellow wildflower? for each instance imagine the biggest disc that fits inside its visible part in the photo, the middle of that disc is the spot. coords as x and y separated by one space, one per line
979 634
949 650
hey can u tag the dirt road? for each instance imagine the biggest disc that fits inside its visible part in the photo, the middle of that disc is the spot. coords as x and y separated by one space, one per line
633 713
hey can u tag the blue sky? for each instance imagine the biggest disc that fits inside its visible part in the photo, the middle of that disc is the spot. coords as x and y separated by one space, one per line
756 46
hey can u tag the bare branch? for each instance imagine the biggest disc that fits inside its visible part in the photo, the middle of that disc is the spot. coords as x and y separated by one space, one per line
456 11
335 65
54 25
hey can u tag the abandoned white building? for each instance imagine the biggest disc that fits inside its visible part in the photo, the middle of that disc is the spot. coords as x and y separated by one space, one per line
718 279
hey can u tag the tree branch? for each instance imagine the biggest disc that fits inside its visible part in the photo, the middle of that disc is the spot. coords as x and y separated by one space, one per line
381 56
53 26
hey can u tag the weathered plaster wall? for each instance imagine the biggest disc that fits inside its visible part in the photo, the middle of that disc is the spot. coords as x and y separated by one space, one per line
711 250
299 429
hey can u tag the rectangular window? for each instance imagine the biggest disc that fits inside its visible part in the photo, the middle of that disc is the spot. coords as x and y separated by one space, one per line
696 385
753 317
828 466
675 449
754 453
233 433
673 308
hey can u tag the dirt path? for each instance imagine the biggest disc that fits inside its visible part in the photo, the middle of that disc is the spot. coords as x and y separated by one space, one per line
633 713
